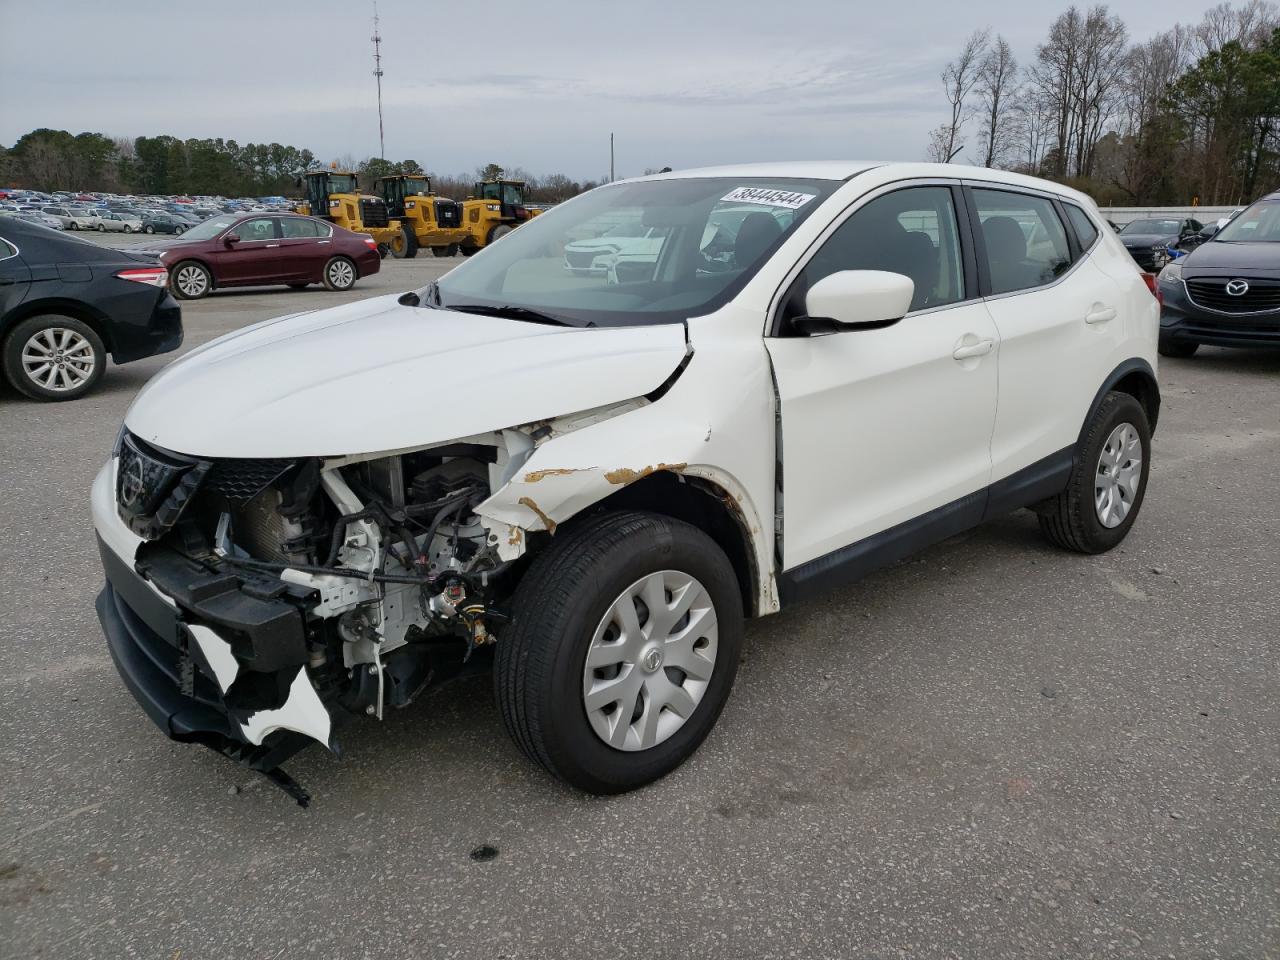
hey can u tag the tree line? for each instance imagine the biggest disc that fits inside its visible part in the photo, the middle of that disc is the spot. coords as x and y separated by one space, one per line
1191 114
47 159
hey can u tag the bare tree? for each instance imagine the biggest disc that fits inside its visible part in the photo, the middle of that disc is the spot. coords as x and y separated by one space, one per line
996 87
958 80
1249 25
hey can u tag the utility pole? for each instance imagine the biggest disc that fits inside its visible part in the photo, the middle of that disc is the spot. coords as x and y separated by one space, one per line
377 72
611 158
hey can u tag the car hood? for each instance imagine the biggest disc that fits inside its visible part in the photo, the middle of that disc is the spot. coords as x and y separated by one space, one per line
1147 239
376 375
1221 257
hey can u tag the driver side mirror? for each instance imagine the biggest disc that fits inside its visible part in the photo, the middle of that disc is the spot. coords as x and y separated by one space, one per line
231 239
855 300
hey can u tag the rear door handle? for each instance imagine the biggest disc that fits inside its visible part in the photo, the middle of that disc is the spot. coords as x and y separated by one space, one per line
969 350
1100 314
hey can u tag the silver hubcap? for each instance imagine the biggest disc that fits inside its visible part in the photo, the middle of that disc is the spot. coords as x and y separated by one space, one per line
650 661
192 281
341 274
1115 486
58 359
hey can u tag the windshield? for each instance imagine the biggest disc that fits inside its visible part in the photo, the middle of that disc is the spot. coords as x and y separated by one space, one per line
679 248
1152 226
1259 224
417 188
209 228
342 183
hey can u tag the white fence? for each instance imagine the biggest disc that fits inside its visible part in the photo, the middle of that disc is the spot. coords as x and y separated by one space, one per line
1122 215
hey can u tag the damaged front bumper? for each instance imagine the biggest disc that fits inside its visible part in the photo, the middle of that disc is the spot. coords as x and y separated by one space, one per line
225 669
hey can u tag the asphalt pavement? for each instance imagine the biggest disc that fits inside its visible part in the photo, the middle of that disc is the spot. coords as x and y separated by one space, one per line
992 750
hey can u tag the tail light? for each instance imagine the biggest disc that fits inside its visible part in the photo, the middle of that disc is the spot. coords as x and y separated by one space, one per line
151 276
370 242
1150 280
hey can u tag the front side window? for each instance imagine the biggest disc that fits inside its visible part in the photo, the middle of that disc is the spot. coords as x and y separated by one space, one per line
1026 243
911 231
654 251
251 230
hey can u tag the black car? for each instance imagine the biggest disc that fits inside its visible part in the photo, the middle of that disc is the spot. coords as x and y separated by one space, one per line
1227 291
156 221
1148 241
65 303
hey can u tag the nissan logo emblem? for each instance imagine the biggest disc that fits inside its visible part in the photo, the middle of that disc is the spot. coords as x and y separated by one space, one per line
132 483
1238 288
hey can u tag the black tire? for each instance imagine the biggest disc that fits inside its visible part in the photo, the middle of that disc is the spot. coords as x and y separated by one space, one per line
24 383
1177 348
184 280
128 229
178 230
1070 519
538 673
148 229
74 225
102 228
340 274
405 247
500 231
446 250
468 251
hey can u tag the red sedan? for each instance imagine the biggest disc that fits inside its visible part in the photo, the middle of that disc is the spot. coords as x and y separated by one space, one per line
240 250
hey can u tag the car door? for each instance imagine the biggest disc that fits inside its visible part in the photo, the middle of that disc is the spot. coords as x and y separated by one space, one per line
303 255
1058 320
887 432
255 258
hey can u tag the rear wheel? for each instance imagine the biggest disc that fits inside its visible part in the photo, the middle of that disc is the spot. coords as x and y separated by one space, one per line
468 251
190 280
339 274
148 229
404 246
102 228
52 357
1177 348
447 250
624 647
1108 481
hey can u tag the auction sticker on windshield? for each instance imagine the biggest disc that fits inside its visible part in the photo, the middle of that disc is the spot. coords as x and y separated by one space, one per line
769 198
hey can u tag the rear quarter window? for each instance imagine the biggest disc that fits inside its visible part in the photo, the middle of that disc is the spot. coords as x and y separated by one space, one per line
1086 232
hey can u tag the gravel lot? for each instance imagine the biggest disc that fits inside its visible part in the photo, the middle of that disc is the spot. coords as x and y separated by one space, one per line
994 750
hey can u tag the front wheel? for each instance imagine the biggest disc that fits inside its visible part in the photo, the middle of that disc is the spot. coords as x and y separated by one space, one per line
404 246
74 225
190 280
148 229
102 228
500 231
624 647
339 274
1108 481
128 229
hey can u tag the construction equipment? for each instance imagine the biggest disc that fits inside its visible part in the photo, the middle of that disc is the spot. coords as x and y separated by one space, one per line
496 208
425 219
335 195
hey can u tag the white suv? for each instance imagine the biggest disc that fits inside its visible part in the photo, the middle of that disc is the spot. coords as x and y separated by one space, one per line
587 482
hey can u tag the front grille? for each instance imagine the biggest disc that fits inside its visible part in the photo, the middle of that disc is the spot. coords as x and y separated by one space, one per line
448 213
580 260
373 213
1211 293
239 481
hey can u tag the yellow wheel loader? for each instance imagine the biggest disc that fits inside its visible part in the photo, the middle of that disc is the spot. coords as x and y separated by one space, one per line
335 195
425 219
496 208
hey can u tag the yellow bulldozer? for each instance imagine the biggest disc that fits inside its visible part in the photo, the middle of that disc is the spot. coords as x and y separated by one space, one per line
335 195
425 219
495 208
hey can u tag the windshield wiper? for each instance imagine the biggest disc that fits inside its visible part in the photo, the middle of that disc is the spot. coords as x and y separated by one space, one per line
511 312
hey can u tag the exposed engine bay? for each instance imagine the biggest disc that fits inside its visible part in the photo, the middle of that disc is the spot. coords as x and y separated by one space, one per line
371 578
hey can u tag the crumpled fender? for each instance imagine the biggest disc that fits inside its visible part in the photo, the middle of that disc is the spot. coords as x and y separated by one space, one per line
569 473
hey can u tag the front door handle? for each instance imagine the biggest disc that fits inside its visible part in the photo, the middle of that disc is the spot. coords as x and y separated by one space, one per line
271 245
1099 313
981 348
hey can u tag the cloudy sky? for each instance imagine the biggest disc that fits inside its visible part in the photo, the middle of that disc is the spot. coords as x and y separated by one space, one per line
536 84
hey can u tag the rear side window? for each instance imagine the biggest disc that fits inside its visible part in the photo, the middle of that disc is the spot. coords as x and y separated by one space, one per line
1026 243
298 228
7 249
1086 232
